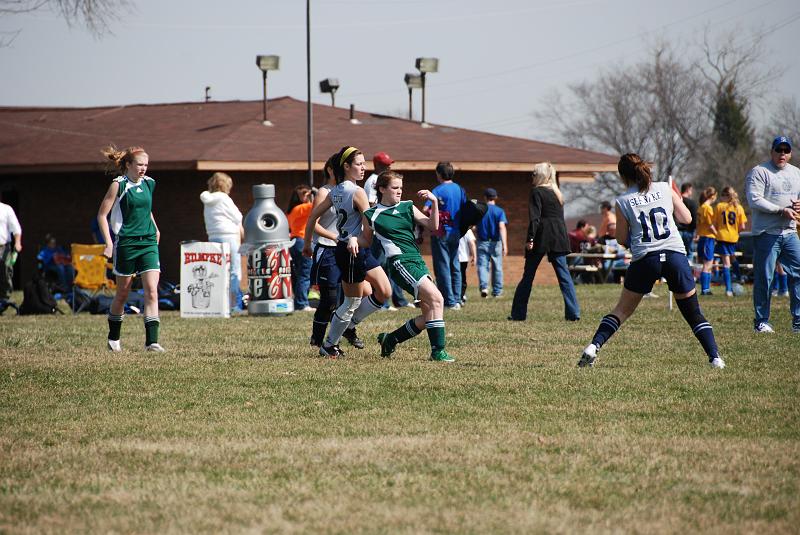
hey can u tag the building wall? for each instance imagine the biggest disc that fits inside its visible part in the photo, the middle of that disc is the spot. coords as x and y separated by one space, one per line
65 204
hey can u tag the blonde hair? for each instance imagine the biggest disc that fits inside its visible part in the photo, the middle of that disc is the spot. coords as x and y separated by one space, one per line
220 182
730 193
119 159
544 176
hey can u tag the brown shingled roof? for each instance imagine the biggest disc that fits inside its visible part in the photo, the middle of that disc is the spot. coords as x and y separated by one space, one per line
230 136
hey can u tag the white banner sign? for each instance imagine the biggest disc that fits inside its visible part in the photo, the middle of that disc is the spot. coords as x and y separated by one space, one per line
205 280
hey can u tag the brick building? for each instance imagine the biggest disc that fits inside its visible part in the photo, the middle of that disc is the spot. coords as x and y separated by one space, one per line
52 173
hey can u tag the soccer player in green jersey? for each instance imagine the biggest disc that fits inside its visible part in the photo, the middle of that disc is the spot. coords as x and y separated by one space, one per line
392 222
129 199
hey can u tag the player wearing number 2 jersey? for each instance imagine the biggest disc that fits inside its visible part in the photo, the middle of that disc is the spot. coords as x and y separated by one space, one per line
364 283
645 223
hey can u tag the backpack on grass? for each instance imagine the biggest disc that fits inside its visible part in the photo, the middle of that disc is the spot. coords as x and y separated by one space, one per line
37 298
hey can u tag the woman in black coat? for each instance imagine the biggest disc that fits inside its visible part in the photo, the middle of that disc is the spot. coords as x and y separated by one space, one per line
547 235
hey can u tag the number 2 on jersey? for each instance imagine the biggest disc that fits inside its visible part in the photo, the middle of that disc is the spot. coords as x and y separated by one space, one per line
656 225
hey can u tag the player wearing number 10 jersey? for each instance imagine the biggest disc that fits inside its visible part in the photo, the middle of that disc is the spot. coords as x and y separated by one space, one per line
645 223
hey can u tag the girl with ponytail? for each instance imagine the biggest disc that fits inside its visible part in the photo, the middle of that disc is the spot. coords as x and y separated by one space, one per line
706 237
729 219
645 223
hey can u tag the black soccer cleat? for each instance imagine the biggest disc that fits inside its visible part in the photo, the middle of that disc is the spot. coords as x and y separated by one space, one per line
351 336
332 352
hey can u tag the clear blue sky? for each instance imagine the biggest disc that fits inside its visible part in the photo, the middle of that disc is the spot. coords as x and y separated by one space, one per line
497 59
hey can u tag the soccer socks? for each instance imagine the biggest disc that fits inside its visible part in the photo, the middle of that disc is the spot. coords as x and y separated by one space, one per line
701 328
783 283
407 331
341 320
151 325
115 325
726 275
436 334
322 316
367 307
608 326
705 282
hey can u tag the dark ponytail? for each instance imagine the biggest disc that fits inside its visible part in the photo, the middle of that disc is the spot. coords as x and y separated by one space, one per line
346 155
635 171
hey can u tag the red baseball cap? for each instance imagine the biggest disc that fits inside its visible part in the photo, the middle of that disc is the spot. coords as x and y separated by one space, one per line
382 158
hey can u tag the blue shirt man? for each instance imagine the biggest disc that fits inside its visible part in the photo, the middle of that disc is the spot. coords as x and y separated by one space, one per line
492 245
444 244
773 192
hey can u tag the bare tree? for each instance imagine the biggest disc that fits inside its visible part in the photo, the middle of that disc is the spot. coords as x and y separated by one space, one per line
96 15
783 121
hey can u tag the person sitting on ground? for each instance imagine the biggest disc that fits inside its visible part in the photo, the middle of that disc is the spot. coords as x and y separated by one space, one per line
55 260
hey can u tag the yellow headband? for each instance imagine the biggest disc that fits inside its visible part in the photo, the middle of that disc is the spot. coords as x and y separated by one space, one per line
346 154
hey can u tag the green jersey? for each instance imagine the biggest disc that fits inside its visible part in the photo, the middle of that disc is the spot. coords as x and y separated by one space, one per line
394 227
130 216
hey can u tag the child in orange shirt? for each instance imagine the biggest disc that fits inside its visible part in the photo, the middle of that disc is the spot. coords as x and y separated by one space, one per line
297 213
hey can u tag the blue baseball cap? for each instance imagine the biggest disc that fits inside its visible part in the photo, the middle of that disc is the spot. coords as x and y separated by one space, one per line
781 140
490 193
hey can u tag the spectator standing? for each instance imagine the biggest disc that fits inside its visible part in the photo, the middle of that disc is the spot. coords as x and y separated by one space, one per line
297 213
729 219
547 235
224 225
444 241
467 252
707 235
687 230
380 162
9 229
773 192
608 217
492 245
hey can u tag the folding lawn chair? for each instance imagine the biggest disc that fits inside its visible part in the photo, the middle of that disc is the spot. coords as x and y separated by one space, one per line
90 272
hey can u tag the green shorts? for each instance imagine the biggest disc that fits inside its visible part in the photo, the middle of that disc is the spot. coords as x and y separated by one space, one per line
408 272
135 255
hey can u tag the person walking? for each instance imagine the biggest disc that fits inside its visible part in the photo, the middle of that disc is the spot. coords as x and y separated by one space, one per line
129 199
364 283
707 235
772 189
547 236
10 229
297 213
444 241
223 222
645 222
687 230
392 222
467 253
492 245
729 219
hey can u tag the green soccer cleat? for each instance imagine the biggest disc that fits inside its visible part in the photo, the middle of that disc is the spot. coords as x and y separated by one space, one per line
388 344
441 356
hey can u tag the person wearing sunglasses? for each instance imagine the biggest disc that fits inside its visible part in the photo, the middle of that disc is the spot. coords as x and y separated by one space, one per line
773 192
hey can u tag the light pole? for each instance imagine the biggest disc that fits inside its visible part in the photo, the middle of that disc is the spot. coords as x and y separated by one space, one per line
413 81
330 85
267 63
426 65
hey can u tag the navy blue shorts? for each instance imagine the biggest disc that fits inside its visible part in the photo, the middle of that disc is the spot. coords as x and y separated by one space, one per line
354 268
671 265
705 249
726 248
324 271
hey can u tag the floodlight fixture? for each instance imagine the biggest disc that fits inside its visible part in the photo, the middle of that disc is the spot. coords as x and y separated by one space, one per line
330 85
266 64
413 81
426 65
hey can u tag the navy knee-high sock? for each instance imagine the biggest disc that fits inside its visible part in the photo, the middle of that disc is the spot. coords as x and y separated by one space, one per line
608 326
701 328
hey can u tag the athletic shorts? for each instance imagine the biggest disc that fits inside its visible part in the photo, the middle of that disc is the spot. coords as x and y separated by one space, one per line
324 271
726 248
408 272
671 265
354 268
705 249
134 255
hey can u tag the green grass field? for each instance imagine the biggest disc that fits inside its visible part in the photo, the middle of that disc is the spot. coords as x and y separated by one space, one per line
240 427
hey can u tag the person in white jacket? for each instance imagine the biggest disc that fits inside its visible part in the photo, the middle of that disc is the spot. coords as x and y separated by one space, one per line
224 225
